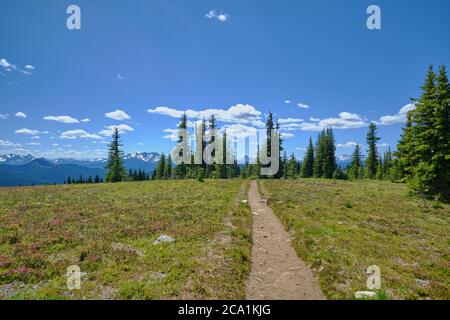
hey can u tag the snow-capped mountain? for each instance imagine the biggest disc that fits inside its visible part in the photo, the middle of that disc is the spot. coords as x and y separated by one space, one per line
15 159
143 156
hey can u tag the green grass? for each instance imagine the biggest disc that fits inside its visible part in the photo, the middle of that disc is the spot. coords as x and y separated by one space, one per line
108 231
340 228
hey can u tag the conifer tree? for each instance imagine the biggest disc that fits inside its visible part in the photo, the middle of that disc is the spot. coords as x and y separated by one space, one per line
329 163
114 167
69 180
430 138
161 167
307 169
356 164
169 167
320 154
291 168
97 179
372 156
180 171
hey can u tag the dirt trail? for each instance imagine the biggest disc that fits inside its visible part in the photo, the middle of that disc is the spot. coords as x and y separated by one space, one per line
277 272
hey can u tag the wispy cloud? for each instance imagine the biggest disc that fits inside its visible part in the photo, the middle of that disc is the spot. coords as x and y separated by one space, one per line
27 131
213 14
9 144
20 115
303 106
120 77
400 117
8 66
287 101
286 135
349 144
79 133
62 119
4 116
109 130
118 115
86 120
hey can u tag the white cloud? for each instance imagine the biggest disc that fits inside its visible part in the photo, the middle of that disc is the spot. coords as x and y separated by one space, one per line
172 134
62 119
123 128
55 144
286 135
303 106
4 116
35 137
212 14
141 143
20 115
6 143
289 120
346 120
29 67
34 144
400 117
75 134
27 131
349 144
240 131
222 17
118 115
86 120
300 149
28 73
240 113
287 101
5 64
312 119
383 145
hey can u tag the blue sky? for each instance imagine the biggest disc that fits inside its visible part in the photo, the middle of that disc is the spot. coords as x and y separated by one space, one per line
153 59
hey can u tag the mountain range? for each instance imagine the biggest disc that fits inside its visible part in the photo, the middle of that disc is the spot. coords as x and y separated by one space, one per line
17 170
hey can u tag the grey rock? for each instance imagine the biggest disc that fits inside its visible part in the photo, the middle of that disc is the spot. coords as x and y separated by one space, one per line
163 238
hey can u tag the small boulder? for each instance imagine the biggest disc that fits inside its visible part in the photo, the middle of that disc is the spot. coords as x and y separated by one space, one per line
163 238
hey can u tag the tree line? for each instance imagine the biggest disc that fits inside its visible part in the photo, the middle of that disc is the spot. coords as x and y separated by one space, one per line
422 158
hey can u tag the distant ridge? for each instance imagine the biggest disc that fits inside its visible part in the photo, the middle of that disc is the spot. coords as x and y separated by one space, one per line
17 170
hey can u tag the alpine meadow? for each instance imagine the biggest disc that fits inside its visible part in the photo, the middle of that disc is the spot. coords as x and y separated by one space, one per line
252 152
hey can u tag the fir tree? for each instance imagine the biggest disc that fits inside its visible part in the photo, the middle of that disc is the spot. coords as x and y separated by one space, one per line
161 167
181 169
329 163
169 168
114 167
320 154
307 169
356 164
372 156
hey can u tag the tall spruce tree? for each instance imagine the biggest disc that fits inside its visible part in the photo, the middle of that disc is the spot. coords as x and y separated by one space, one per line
307 169
320 154
372 159
169 168
441 156
429 169
161 167
356 164
329 163
180 171
115 170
